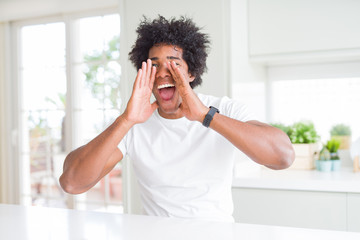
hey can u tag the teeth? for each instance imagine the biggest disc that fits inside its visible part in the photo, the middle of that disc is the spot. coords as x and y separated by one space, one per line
166 85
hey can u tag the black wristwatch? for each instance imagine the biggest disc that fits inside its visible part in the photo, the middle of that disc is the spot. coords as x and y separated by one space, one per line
209 116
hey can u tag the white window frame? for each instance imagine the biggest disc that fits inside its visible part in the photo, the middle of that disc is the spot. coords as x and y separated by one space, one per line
8 179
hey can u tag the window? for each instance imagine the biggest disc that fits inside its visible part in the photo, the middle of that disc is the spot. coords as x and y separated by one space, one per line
69 73
326 102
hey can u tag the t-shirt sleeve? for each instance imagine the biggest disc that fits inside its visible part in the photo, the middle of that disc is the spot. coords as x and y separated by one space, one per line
122 145
236 110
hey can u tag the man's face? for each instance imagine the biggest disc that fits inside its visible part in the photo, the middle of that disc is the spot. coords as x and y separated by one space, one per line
164 89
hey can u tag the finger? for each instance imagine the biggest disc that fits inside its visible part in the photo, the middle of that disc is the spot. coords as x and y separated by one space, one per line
172 71
152 77
137 79
168 64
178 76
181 107
142 79
148 71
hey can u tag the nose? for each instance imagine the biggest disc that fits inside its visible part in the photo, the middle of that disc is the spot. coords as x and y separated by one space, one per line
162 70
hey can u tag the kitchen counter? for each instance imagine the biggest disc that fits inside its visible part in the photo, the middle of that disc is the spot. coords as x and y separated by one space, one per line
344 180
19 222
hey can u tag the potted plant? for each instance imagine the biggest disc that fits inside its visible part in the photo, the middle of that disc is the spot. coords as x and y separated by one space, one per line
324 163
303 132
305 139
329 159
333 146
341 132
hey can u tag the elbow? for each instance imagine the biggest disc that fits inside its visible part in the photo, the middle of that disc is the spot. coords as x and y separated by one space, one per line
285 163
65 185
284 160
68 186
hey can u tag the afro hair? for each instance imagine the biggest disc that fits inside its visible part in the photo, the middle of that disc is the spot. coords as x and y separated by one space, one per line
181 33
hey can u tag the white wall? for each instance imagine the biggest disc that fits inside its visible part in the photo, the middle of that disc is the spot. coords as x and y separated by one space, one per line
6 170
304 30
242 70
211 15
281 26
2 116
247 79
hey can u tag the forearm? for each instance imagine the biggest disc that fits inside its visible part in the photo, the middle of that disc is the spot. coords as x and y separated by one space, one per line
85 166
264 144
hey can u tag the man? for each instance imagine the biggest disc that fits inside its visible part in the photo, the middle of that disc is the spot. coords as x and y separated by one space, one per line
181 150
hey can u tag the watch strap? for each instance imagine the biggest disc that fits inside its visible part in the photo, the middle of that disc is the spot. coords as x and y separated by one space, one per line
209 116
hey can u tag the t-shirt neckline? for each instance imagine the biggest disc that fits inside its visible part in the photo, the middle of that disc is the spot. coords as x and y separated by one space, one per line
170 120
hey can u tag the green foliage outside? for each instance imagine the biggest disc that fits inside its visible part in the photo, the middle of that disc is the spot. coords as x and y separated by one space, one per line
100 65
340 130
59 102
37 126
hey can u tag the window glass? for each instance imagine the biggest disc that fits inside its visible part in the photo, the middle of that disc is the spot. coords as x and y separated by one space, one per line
326 102
43 113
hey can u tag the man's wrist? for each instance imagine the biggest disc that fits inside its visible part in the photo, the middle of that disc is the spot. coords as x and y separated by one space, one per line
209 116
123 121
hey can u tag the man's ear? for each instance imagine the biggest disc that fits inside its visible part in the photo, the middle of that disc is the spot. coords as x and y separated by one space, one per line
191 77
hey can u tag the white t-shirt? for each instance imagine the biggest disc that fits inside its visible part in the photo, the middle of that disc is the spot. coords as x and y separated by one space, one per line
183 168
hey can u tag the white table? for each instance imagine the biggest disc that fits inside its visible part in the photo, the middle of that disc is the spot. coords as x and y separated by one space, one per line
19 222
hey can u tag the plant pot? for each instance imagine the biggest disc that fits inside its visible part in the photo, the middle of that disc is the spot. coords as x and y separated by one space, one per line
305 156
324 165
336 165
345 141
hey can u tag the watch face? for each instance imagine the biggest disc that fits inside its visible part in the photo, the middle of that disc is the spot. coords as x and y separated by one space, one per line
214 109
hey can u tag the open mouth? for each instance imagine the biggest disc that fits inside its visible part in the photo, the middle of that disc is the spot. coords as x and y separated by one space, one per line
166 91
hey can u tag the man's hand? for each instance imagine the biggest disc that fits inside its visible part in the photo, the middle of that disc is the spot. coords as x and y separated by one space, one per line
139 108
191 106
